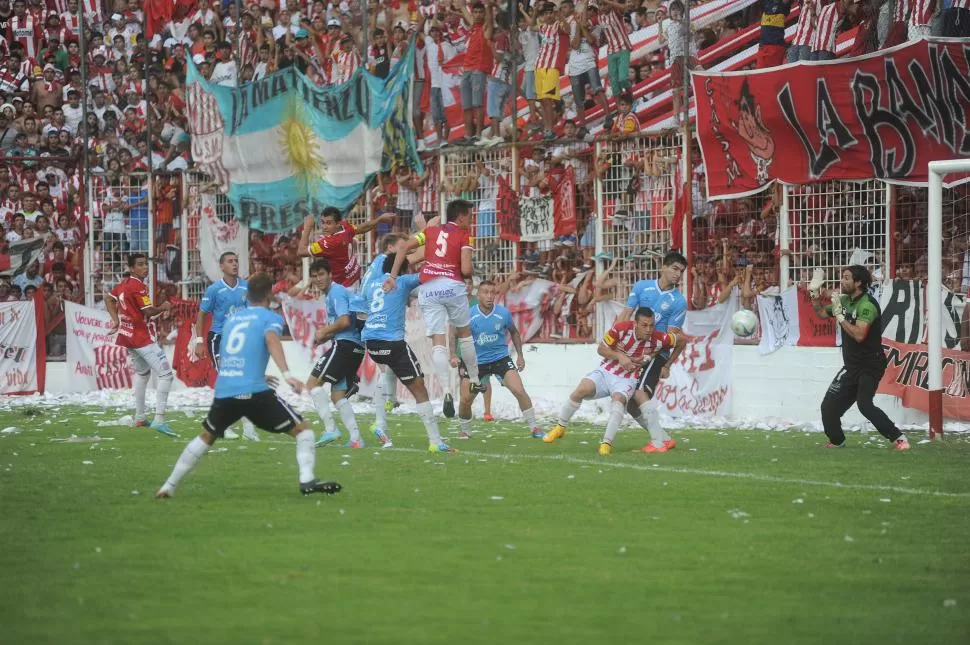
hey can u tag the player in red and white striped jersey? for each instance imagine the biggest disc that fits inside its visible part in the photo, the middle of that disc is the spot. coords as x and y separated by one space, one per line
956 20
920 17
826 29
625 349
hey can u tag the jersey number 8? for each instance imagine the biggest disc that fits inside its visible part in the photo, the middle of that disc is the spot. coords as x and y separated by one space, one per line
377 299
236 339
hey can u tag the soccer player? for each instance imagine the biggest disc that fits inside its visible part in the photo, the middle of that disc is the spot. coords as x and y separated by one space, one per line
383 336
130 308
221 300
242 390
669 305
340 364
336 245
489 324
860 319
625 348
442 296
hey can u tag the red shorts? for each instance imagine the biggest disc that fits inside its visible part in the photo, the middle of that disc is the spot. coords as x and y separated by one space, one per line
677 71
770 56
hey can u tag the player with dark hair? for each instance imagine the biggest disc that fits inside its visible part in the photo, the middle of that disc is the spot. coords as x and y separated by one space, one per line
221 299
340 364
625 348
131 308
442 296
337 243
383 335
492 327
243 390
859 317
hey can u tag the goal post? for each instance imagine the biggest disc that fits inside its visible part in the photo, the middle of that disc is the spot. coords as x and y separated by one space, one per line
934 287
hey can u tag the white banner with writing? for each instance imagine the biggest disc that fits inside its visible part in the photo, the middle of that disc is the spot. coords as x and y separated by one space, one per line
93 360
537 220
217 237
21 364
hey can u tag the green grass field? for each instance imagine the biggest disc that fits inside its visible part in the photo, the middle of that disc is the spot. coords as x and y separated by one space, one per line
734 537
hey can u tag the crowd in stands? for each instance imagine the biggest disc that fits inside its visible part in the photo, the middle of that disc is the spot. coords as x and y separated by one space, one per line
486 72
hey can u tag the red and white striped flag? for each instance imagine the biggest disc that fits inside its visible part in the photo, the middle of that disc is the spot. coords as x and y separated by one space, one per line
114 370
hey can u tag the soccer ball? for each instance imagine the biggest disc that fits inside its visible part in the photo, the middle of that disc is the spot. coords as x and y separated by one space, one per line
744 323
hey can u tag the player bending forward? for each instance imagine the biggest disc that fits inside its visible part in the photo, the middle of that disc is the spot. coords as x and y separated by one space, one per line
252 336
625 348
340 364
442 297
221 300
489 324
130 308
383 336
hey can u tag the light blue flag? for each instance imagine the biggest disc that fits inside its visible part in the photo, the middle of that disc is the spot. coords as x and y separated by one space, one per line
282 147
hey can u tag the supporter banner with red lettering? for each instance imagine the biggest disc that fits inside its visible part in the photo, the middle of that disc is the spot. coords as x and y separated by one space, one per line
884 116
814 331
189 368
23 353
87 368
564 206
508 211
907 377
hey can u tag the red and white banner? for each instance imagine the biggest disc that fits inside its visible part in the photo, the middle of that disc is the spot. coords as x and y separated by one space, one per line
303 317
529 306
217 237
93 360
884 115
907 378
564 204
23 352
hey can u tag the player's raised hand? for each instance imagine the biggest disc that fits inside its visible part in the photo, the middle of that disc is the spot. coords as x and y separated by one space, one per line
390 284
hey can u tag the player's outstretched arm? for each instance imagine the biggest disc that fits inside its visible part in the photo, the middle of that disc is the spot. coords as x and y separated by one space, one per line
275 348
303 249
400 258
370 225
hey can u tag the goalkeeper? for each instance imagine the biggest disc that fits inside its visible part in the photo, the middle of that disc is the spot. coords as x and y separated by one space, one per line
858 316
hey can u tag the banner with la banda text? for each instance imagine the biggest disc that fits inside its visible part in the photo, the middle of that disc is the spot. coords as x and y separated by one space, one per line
907 377
94 362
700 381
282 147
23 352
885 115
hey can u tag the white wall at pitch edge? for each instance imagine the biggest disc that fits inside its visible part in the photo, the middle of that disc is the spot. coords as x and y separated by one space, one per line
783 387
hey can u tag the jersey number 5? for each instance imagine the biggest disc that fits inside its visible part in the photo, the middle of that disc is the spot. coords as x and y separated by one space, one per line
441 247
237 338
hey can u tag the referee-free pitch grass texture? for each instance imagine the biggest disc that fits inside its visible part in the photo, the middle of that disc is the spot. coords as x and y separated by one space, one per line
734 537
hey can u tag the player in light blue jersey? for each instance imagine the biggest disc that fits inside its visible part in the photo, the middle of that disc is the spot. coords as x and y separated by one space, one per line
243 390
383 336
669 307
339 365
221 299
492 328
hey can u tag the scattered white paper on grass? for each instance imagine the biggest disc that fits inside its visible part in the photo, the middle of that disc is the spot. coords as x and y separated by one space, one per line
88 463
496 498
849 538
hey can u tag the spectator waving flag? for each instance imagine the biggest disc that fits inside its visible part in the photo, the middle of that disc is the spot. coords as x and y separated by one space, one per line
20 255
282 147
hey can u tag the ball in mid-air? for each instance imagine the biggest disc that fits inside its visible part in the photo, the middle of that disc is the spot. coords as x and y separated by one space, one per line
744 323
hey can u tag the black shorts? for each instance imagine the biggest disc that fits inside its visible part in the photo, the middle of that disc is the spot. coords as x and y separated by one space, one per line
266 410
498 369
214 343
341 362
650 374
397 355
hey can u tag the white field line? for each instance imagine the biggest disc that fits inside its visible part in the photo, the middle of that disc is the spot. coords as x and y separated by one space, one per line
757 477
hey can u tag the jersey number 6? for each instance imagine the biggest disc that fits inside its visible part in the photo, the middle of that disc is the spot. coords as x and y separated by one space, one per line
237 338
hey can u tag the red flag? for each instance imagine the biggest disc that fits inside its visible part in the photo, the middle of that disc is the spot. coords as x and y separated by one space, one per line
508 211
198 373
813 331
564 204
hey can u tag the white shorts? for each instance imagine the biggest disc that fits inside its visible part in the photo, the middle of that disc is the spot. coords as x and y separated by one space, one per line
150 358
443 301
608 384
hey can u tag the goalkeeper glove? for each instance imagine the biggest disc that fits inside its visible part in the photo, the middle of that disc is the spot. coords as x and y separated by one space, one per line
815 286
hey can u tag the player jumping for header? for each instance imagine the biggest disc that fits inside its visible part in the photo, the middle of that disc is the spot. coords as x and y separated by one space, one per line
336 245
252 337
625 348
130 308
221 300
441 296
490 323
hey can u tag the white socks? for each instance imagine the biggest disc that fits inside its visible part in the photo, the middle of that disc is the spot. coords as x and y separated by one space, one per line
469 358
390 385
306 455
430 424
187 461
161 396
141 385
379 397
567 411
649 420
617 410
465 425
530 418
346 411
321 403
442 369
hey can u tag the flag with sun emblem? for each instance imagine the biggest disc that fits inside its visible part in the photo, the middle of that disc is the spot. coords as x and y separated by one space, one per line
283 147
